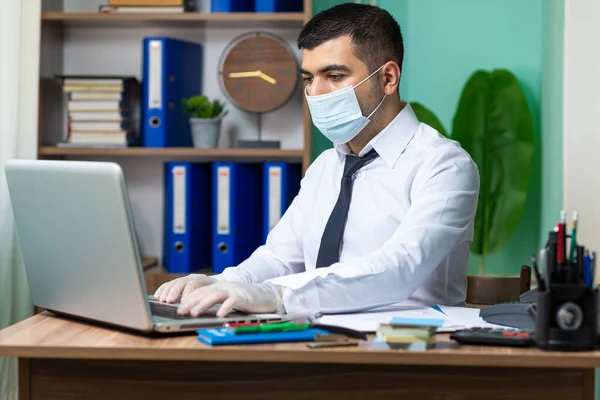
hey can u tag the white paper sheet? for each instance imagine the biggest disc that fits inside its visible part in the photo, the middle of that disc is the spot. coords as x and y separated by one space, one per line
464 317
369 321
455 318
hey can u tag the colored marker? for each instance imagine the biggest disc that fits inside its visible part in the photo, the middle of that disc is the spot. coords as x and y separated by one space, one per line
574 236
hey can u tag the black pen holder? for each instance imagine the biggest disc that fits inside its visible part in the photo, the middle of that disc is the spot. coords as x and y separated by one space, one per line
567 317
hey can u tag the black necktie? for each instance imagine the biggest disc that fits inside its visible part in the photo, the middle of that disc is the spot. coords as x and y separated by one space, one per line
331 241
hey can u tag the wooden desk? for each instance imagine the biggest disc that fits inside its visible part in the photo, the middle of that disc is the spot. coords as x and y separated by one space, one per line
60 359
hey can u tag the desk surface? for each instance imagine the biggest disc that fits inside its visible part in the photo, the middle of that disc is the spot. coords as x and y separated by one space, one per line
46 336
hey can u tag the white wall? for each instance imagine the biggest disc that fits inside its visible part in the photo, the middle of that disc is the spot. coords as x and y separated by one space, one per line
29 82
581 133
118 50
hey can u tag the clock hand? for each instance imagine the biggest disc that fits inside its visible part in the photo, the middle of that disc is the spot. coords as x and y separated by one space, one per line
249 74
246 74
267 78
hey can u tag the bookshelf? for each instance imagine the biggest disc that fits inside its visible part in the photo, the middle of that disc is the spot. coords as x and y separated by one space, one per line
59 24
190 18
75 39
257 154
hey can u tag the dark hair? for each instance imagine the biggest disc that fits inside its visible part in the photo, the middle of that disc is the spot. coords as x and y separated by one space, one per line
373 31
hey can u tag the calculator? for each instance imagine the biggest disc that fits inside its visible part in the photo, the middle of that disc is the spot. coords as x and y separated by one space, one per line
494 337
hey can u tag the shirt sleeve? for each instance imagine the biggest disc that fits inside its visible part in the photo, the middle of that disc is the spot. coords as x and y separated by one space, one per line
283 252
440 218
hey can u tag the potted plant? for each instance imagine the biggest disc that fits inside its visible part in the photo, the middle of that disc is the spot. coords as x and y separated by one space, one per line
494 124
205 120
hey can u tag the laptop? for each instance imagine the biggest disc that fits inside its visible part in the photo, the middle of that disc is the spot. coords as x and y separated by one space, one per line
81 257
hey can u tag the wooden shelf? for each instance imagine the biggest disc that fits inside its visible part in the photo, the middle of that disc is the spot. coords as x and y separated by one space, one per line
189 18
174 152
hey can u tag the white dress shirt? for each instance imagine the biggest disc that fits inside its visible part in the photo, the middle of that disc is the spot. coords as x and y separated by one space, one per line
407 235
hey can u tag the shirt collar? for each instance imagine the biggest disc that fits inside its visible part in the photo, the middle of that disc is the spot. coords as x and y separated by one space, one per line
392 140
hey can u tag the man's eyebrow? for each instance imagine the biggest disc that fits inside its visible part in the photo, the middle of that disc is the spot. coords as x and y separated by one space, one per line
334 67
328 68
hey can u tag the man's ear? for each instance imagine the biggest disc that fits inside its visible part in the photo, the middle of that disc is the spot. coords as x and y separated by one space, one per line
391 77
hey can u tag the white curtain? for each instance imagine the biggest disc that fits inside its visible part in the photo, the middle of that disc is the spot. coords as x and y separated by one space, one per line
19 77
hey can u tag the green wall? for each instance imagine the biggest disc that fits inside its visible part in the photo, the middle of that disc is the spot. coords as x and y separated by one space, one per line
552 121
445 41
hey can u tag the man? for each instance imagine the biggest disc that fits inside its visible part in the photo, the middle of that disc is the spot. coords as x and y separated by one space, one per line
386 215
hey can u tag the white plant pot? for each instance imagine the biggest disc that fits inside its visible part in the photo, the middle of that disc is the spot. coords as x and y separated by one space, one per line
206 131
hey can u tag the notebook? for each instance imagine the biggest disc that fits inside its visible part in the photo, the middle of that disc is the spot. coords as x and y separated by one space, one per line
225 336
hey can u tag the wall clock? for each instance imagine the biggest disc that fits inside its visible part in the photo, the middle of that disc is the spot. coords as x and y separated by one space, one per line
258 72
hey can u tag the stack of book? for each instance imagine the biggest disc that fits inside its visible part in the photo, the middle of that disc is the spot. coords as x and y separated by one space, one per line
101 111
409 330
148 6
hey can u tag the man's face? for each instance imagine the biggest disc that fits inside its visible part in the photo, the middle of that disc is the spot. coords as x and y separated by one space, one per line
333 66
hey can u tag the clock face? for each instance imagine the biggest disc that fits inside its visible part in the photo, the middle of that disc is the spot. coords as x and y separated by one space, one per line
258 72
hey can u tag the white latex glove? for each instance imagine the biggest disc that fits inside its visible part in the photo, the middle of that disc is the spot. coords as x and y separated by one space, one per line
172 291
246 297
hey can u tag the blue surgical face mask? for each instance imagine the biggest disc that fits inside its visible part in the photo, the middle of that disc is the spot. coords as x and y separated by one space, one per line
337 114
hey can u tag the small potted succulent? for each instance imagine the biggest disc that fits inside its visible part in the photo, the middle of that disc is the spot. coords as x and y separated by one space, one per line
205 120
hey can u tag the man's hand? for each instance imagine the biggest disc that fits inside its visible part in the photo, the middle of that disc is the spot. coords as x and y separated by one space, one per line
246 297
170 292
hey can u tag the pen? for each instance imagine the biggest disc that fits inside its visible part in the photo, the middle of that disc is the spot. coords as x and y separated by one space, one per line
545 267
579 267
291 326
268 328
538 277
593 259
587 262
552 253
574 235
560 256
297 318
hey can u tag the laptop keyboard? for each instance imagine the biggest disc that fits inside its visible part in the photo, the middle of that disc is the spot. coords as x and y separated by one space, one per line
169 310
166 310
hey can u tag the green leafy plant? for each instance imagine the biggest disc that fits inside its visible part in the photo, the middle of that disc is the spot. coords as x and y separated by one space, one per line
494 125
202 107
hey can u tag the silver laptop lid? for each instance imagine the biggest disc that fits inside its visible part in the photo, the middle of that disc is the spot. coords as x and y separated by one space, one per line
76 233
